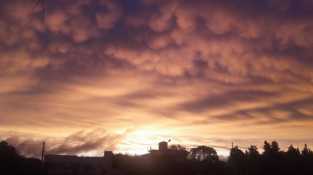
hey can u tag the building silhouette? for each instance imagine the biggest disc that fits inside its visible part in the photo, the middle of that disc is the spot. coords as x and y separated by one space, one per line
76 165
163 147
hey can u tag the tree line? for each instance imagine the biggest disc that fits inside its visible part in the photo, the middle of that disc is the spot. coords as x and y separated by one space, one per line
201 160
204 160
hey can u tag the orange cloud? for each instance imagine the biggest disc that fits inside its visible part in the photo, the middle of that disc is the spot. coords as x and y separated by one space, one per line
195 66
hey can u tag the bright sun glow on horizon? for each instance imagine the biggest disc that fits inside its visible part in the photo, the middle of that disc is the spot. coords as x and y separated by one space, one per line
140 141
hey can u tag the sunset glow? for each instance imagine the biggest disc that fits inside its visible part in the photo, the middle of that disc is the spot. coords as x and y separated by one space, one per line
93 75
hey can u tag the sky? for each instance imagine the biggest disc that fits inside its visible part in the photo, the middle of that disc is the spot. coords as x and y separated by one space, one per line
92 75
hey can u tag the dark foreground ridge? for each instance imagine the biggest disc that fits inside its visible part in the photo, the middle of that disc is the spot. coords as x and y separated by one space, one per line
173 160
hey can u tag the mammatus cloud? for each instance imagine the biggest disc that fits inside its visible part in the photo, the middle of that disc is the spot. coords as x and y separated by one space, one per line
194 66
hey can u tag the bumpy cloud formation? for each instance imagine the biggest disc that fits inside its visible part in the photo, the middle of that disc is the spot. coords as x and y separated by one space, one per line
120 64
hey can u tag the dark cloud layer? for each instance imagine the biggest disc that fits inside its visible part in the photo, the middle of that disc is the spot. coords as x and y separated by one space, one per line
77 143
123 63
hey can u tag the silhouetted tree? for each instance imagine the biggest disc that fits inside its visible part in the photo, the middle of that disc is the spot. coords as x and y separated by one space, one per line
253 152
306 151
267 147
9 159
293 152
275 147
272 161
252 160
177 147
237 160
11 163
204 153
306 161
292 160
178 152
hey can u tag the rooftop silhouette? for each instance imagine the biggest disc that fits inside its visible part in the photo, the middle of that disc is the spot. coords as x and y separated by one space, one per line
168 159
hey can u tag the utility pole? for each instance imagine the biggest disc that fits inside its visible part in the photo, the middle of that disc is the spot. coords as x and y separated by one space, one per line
43 151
